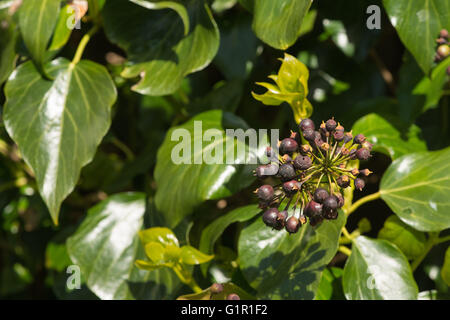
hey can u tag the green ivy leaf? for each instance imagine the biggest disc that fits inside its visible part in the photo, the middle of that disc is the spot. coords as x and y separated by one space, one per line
213 231
67 118
418 24
410 241
37 20
161 235
174 5
62 32
377 270
329 282
183 186
190 255
283 266
108 235
157 48
228 288
8 39
386 138
291 86
278 23
433 87
445 271
416 187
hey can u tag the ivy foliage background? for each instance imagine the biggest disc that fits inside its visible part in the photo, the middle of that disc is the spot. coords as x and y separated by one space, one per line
87 115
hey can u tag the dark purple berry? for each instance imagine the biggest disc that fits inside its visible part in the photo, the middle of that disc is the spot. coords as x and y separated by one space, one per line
348 137
323 131
359 138
313 209
302 162
359 184
290 187
363 154
340 200
265 192
320 195
287 172
288 145
292 225
307 124
330 125
343 181
366 144
309 134
330 214
270 217
216 288
330 203
338 135
233 296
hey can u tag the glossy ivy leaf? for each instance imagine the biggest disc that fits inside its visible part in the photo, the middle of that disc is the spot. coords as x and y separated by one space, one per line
377 270
213 231
62 32
184 177
109 234
445 271
416 187
190 255
329 282
418 24
161 235
228 288
37 20
291 86
8 38
278 23
158 51
174 5
386 138
282 266
433 87
410 241
67 118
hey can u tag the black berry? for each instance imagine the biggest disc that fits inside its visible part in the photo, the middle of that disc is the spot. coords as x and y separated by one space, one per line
282 216
340 200
309 134
270 217
363 154
302 162
348 137
330 125
320 195
313 209
359 138
287 172
290 187
330 202
315 220
359 184
338 135
265 192
330 214
292 225
288 145
307 124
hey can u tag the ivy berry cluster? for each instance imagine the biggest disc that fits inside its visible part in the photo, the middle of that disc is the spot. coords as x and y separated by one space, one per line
312 166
